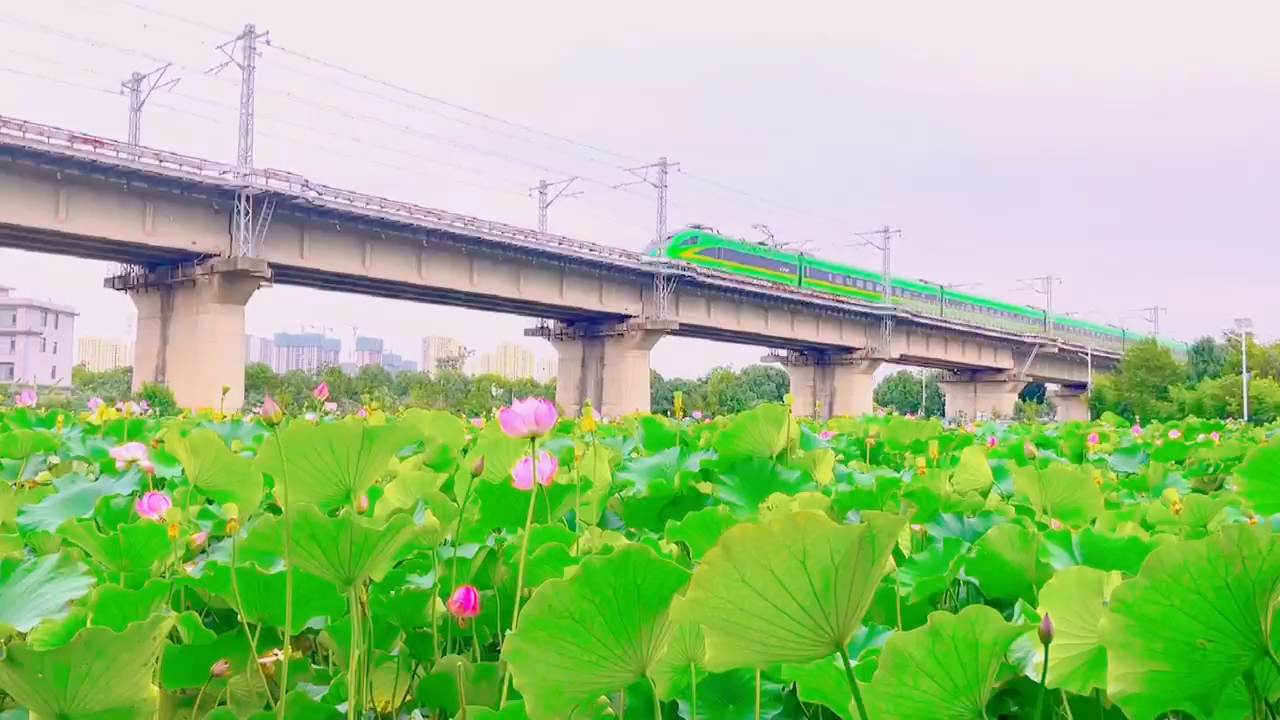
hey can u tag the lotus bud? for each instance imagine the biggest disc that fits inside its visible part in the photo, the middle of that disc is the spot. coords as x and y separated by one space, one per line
464 603
362 504
477 467
1045 630
233 525
272 415
198 539
220 669
1029 450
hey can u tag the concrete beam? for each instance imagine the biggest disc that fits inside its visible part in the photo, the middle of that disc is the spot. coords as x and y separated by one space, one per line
969 395
1071 402
825 385
190 332
606 363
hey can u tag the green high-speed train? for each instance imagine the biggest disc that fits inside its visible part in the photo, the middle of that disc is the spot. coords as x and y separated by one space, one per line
705 246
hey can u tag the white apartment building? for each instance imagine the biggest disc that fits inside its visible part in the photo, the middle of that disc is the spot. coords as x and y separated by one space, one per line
438 347
100 354
37 340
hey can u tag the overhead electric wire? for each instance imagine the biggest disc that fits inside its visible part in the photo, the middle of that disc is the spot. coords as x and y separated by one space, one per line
439 101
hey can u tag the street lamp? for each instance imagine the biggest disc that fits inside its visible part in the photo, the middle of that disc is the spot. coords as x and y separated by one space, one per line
1243 326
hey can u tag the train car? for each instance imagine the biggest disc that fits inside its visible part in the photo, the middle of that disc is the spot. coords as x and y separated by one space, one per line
701 245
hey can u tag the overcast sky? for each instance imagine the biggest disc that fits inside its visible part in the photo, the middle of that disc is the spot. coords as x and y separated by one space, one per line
1128 148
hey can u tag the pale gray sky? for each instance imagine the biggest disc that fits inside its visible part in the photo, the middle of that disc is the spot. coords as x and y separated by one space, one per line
1127 147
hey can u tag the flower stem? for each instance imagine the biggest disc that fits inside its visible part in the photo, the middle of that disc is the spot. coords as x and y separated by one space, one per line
453 562
354 708
524 554
288 576
657 704
757 693
244 623
693 692
1044 674
853 682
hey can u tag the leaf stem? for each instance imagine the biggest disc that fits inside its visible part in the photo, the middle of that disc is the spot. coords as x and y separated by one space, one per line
524 554
853 682
353 656
693 692
657 704
288 576
1044 675
244 622
757 693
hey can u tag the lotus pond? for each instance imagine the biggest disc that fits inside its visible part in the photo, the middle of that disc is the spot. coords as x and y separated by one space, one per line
528 566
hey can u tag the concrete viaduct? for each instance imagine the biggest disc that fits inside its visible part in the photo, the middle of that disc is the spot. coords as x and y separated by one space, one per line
197 238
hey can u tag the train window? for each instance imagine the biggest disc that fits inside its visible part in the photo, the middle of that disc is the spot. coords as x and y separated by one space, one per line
691 240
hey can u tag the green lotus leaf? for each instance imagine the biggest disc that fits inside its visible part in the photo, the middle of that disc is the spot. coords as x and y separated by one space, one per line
700 530
732 696
594 633
329 464
262 593
215 471
345 550
1075 599
438 689
761 432
946 670
972 473
74 496
99 673
38 589
685 652
791 590
1060 491
116 607
1196 617
1009 561
825 682
133 548
438 428
503 505
1097 549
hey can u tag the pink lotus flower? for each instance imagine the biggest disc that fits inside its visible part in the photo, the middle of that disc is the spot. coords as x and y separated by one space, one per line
478 422
696 415
1136 430
826 434
1175 433
464 603
362 412
129 408
530 417
25 398
132 453
321 392
143 406
272 414
331 407
991 441
94 403
1091 439
198 539
1214 436
522 475
153 505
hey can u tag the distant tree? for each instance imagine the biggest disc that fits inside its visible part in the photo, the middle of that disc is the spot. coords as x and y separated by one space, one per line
903 393
1033 392
453 362
111 385
1143 384
1205 359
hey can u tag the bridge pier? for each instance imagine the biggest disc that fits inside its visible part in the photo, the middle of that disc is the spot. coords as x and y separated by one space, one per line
190 330
968 393
827 384
1071 402
606 363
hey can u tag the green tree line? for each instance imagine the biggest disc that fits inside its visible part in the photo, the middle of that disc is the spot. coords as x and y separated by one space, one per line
1151 384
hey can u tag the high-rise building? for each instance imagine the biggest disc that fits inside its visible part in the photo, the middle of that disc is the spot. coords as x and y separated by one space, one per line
395 363
437 348
507 360
368 351
309 352
100 354
545 369
259 350
35 341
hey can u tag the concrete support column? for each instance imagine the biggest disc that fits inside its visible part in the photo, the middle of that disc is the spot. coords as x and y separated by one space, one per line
970 395
607 364
825 385
190 330
1071 403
